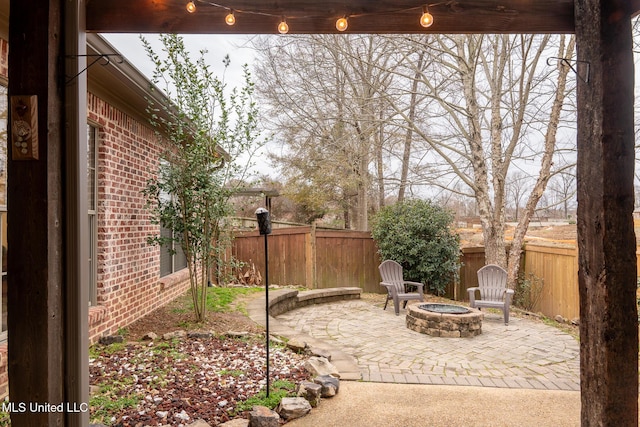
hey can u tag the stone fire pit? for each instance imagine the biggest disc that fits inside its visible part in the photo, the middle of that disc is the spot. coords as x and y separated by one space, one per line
444 320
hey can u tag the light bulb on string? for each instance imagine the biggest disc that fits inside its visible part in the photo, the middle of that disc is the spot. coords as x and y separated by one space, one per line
191 7
342 24
426 20
230 19
283 28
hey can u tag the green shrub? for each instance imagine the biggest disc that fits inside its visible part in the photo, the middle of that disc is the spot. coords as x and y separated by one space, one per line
418 235
528 291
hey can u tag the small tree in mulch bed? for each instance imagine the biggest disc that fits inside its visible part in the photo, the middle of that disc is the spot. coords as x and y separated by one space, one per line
205 129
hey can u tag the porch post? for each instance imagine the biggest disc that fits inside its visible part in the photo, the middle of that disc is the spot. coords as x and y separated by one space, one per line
76 218
37 254
606 240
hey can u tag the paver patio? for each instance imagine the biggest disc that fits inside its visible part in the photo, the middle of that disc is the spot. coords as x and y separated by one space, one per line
524 354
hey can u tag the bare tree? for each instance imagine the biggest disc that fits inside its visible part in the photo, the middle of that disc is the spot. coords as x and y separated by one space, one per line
327 100
458 112
493 101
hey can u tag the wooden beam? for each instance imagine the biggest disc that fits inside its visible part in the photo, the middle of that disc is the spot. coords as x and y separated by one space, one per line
606 239
35 236
303 16
76 222
635 7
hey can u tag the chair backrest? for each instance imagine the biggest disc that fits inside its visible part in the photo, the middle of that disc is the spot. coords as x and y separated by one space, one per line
391 272
492 281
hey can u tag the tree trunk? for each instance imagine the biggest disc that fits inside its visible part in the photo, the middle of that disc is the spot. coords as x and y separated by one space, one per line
380 164
515 252
406 154
606 241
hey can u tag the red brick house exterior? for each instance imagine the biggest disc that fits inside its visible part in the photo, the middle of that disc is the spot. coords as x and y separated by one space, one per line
127 283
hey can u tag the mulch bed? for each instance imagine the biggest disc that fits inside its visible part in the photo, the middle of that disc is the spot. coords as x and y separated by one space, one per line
177 382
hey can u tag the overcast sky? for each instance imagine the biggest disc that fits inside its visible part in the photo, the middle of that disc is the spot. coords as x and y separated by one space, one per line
217 46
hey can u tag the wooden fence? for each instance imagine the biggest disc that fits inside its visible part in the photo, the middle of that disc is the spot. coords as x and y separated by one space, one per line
313 258
316 259
555 267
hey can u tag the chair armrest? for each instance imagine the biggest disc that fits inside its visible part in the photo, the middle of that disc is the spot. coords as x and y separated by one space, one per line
472 295
418 285
390 287
414 283
509 296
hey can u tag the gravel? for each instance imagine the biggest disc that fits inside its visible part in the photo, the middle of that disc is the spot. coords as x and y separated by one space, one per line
177 382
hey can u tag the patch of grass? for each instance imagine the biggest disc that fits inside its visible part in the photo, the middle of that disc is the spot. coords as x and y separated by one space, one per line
116 385
184 324
234 372
94 353
178 310
279 389
168 349
112 397
111 348
106 405
220 299
5 419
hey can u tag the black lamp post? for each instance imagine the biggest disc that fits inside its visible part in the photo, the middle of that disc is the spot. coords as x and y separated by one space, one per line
264 224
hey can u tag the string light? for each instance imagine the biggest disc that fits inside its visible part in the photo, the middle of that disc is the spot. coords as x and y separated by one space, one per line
426 20
230 19
283 28
342 24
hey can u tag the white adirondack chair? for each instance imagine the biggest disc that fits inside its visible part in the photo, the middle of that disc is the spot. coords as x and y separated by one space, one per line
391 273
492 286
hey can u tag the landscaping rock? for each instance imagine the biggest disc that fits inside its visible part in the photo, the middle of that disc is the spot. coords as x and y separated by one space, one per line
291 408
321 366
111 339
310 391
199 423
320 352
297 345
330 385
575 321
150 336
182 416
175 334
199 335
238 422
261 416
560 319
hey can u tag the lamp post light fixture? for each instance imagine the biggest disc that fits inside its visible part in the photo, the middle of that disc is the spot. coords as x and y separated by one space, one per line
264 225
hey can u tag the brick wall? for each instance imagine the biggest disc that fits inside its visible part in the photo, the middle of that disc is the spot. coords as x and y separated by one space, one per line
128 279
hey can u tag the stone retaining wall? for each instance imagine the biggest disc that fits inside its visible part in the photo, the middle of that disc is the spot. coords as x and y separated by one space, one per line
284 301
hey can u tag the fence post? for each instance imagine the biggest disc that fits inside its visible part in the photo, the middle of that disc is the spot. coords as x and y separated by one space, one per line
310 257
